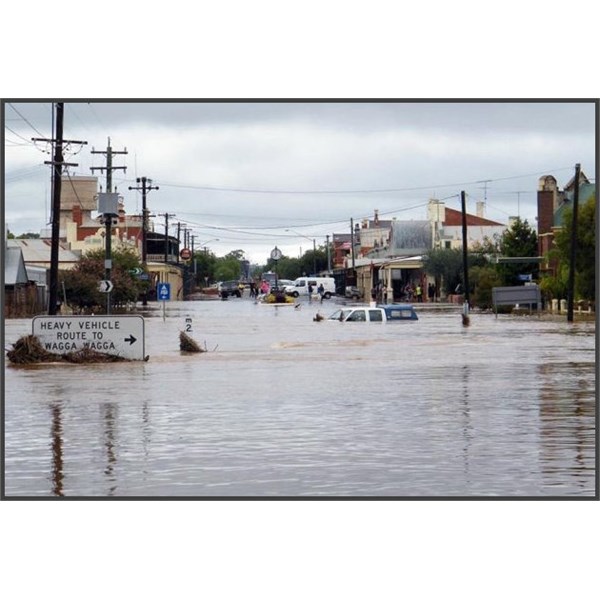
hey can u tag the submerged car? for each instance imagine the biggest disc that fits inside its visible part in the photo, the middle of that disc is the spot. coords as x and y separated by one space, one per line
380 313
353 293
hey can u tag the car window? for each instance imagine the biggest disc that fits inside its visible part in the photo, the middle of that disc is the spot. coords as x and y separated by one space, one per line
358 315
375 315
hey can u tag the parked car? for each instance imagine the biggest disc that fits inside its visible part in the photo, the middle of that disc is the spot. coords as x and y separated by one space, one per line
353 293
229 288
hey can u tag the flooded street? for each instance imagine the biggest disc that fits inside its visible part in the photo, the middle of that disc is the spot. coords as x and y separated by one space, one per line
281 405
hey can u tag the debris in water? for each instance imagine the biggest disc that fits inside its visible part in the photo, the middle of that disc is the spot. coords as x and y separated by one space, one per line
318 317
29 350
187 344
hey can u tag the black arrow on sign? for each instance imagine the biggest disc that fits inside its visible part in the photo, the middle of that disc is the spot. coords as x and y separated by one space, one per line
130 339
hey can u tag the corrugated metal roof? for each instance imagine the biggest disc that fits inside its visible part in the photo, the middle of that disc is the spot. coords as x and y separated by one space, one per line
39 250
14 267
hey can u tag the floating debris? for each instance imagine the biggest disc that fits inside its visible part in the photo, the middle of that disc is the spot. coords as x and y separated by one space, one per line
318 317
187 344
29 350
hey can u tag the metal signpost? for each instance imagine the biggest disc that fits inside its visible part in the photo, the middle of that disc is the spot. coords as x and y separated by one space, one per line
163 292
116 335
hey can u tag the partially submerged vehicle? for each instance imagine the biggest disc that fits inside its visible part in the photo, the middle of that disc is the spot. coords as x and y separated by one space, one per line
380 313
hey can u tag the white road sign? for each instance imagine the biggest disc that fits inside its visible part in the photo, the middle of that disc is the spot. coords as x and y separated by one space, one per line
117 335
105 286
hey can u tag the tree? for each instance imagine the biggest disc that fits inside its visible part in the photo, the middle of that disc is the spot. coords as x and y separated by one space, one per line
446 266
519 240
228 267
81 283
585 262
206 263
482 279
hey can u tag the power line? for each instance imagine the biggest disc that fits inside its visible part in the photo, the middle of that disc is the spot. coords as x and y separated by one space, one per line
24 119
358 191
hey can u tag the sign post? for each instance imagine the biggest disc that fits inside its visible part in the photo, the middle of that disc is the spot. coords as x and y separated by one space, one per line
163 292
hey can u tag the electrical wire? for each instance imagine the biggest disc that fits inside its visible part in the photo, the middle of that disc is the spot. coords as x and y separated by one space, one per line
24 119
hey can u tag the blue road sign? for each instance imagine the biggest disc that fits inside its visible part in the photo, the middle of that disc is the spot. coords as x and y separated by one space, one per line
163 291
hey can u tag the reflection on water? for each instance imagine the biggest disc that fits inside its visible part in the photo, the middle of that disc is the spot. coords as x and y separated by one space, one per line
567 422
57 460
286 406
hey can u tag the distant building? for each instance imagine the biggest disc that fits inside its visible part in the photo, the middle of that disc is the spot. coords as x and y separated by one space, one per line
552 203
388 254
446 226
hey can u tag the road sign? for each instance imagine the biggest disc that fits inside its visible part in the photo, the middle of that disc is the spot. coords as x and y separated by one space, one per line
105 286
185 253
163 291
121 335
136 271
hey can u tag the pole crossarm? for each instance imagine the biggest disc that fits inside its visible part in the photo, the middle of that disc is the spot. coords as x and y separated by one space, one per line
519 259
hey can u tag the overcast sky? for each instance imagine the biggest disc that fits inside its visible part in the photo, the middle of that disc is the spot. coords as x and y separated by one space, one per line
247 172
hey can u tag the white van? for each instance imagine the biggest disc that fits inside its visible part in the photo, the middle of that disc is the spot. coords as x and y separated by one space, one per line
300 287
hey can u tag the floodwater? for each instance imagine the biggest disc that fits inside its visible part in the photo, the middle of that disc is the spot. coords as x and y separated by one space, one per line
281 405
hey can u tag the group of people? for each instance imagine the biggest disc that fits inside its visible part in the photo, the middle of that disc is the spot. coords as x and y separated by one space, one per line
408 292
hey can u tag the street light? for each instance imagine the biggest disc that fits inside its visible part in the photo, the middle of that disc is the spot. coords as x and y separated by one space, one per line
314 248
212 240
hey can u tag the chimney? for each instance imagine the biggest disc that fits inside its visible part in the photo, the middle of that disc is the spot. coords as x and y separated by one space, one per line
376 219
77 216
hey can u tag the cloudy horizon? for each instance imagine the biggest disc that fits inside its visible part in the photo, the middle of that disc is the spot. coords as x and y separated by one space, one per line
255 175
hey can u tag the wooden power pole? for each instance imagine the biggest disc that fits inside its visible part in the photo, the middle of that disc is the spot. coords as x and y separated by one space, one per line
57 163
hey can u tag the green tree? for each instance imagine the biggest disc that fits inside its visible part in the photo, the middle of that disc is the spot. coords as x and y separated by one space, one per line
585 262
228 267
518 241
81 283
206 263
482 279
446 266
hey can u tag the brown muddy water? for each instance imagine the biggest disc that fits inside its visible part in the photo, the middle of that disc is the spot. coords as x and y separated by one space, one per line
281 405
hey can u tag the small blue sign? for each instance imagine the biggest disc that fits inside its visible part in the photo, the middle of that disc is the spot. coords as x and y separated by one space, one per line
163 291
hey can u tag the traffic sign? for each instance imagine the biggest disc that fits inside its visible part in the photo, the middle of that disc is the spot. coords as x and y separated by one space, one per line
121 335
136 271
185 253
163 291
105 286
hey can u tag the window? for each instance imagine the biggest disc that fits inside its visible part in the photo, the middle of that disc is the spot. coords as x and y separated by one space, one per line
375 315
358 315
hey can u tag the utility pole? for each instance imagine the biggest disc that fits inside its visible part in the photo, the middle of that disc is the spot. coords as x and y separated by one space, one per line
352 242
108 216
194 259
465 258
328 255
571 284
166 216
146 187
57 164
178 239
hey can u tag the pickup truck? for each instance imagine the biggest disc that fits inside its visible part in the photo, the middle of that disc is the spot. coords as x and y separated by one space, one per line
381 313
